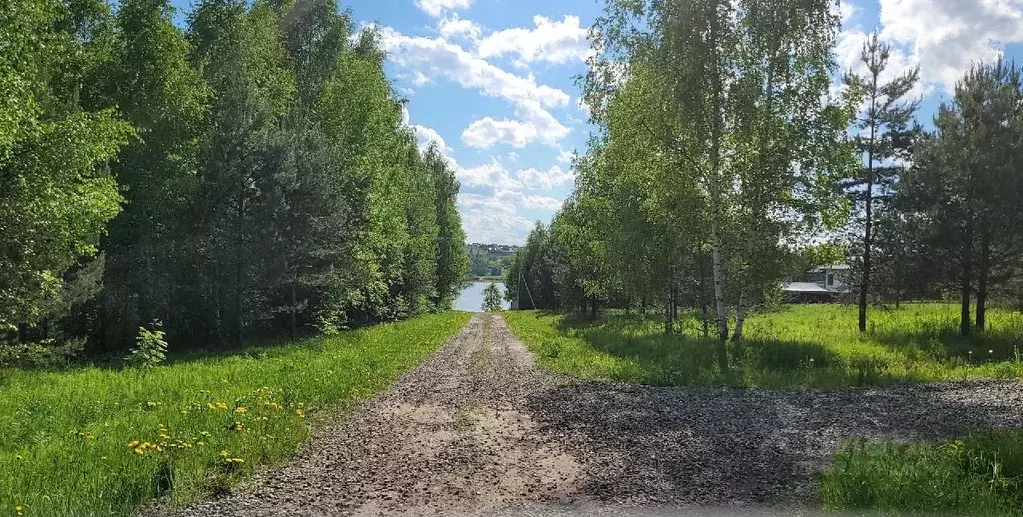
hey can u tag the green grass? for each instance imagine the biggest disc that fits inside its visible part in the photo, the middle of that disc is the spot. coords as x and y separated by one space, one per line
64 437
801 346
981 475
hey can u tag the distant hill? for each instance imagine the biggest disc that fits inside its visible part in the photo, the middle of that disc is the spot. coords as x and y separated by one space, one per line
490 260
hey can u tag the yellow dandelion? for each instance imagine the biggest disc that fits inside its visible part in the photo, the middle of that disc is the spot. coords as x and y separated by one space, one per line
300 413
239 410
132 444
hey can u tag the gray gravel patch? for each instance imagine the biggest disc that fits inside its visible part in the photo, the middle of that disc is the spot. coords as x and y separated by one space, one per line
477 429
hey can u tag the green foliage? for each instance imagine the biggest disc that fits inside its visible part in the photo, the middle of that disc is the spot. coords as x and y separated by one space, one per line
150 348
262 179
981 474
46 354
811 346
71 443
491 298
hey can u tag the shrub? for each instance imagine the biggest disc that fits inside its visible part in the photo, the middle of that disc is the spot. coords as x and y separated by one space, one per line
150 348
45 354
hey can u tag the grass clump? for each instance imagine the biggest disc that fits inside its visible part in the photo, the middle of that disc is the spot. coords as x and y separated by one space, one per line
980 475
801 346
96 441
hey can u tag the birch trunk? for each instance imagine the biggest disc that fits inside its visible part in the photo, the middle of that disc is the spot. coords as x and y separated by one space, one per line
717 265
740 317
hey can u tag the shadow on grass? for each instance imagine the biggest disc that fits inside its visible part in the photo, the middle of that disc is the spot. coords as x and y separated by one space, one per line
687 360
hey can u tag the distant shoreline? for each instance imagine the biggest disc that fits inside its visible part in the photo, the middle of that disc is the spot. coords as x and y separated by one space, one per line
487 279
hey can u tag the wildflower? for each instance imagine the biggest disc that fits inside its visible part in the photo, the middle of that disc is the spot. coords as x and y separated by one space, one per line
20 510
204 433
239 410
237 426
132 444
164 436
300 413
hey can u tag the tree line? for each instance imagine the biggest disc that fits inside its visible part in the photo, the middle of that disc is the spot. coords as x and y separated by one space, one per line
246 174
723 163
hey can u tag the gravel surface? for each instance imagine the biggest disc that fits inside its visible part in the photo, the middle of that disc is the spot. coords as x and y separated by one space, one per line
478 429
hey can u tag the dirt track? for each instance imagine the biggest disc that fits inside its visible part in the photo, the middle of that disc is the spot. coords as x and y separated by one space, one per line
477 429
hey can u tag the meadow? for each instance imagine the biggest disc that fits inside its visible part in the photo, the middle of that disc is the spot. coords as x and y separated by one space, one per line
799 346
103 441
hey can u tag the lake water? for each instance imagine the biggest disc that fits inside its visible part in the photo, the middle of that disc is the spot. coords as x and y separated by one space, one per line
471 298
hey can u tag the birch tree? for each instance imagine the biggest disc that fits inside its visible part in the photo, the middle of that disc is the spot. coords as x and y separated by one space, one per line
737 105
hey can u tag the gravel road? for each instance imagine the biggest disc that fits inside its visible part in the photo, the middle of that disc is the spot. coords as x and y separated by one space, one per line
478 429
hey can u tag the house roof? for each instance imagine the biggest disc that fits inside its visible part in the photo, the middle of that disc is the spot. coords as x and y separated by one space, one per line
832 267
804 287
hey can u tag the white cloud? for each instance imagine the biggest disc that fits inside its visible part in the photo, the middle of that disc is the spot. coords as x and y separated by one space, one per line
545 180
492 219
455 26
437 57
513 157
946 36
551 41
847 10
427 135
491 174
487 131
437 7
565 157
532 202
533 124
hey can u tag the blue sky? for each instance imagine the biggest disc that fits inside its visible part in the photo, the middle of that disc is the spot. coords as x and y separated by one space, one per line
493 81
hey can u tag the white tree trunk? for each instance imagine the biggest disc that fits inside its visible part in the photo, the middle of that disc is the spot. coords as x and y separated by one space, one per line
717 267
740 317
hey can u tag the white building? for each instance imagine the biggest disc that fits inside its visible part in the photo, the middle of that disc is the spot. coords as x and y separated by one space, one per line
825 284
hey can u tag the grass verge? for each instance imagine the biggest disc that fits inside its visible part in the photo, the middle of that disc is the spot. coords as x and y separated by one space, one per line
980 475
802 346
103 442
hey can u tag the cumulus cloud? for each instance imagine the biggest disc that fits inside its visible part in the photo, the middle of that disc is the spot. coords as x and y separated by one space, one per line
455 26
533 124
947 36
532 202
427 135
491 174
492 219
437 7
437 57
545 180
551 41
565 157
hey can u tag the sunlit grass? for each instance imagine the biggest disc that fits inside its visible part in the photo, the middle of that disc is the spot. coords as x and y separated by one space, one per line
801 346
980 475
100 441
